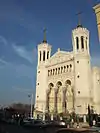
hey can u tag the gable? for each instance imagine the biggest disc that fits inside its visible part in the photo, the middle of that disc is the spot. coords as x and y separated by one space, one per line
60 57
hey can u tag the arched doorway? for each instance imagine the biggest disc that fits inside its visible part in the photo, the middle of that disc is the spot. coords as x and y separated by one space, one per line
67 82
59 97
69 96
51 98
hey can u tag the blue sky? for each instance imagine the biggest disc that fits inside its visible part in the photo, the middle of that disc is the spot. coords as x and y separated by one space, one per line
21 29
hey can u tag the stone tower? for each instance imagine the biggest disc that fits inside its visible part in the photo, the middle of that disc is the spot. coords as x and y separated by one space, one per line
80 40
44 53
97 12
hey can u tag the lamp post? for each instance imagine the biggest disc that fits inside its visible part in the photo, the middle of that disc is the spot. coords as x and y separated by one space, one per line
31 112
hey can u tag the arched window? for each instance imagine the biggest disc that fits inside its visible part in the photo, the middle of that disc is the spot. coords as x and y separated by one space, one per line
58 84
86 42
48 55
82 42
53 71
59 70
64 68
43 55
40 55
68 82
70 67
77 43
67 68
56 71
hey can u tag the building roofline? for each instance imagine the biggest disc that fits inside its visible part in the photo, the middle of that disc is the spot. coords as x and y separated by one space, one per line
96 6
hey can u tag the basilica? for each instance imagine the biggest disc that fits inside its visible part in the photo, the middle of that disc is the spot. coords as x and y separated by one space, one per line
66 81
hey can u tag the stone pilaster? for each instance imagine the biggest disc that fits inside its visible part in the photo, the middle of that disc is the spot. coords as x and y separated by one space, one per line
55 100
73 96
47 100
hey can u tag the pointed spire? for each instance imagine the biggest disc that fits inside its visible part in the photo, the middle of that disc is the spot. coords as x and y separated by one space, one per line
79 19
44 36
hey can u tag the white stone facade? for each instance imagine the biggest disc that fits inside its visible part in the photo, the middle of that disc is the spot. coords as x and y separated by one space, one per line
66 81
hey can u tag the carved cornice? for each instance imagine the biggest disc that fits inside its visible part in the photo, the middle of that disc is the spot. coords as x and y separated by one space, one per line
82 55
57 63
61 76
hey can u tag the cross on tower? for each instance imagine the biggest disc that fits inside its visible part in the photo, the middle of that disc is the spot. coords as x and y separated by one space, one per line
44 36
79 18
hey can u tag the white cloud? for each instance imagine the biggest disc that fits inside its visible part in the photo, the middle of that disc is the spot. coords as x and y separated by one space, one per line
3 61
22 52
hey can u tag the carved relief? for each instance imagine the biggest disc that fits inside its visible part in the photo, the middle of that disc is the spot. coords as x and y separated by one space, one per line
60 57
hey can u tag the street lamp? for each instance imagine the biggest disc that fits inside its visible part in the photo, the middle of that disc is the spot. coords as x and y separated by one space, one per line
31 96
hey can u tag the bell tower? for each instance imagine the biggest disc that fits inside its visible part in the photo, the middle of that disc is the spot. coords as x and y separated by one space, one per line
80 40
44 50
97 12
44 53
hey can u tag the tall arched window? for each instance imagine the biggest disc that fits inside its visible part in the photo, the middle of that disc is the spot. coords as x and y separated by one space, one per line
70 67
82 42
48 55
56 71
67 68
53 71
77 43
59 70
64 68
40 55
43 55
86 42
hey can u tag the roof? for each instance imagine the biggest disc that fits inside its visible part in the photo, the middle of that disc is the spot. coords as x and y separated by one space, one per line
96 6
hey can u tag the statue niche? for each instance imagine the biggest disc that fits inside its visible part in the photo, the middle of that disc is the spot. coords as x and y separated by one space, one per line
69 95
51 97
59 97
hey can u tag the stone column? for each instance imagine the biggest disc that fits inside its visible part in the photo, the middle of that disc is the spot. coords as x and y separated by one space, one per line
44 111
52 117
55 100
73 97
64 99
84 118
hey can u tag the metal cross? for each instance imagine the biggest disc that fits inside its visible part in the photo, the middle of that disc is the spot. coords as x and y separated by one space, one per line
44 31
79 17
